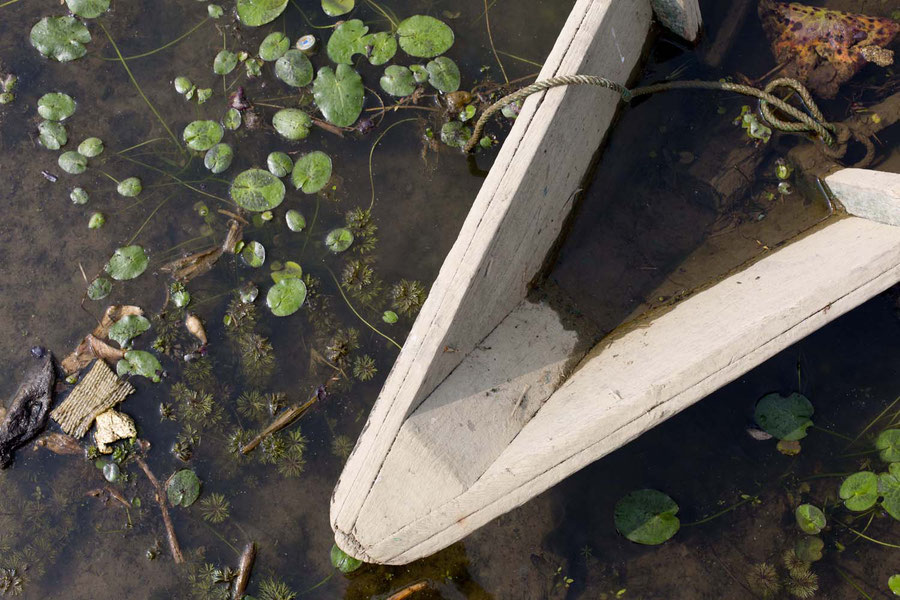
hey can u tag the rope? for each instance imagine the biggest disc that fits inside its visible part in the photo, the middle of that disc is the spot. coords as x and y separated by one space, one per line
813 122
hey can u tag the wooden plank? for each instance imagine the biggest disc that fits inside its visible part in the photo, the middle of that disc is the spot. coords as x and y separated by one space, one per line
629 384
681 17
869 194
514 221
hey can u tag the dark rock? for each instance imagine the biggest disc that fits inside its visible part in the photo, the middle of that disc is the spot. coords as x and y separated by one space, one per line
28 413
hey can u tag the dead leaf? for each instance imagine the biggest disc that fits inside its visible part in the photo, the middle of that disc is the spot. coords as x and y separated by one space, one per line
823 48
789 448
59 443
188 267
92 346
111 427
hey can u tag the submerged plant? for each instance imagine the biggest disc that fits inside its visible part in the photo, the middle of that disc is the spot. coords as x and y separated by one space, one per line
257 357
802 585
364 367
795 565
408 296
763 580
275 589
342 446
214 508
342 344
252 405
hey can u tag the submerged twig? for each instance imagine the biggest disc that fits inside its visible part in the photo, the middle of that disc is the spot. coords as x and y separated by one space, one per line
246 566
283 420
408 590
160 494
186 268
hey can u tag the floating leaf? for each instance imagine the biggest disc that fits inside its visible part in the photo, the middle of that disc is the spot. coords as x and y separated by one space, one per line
860 491
202 135
111 472
294 220
274 46
128 327
60 38
253 254
127 262
294 68
390 317
138 362
292 123
52 135
232 119
288 271
130 187
339 95
88 9
286 296
382 47
218 158
342 561
443 74
79 196
279 164
398 81
183 85
73 163
647 517
99 288
894 584
424 37
214 11
91 147
225 62
888 442
810 519
889 488
336 8
455 134
420 73
97 221
180 296
257 190
349 38
786 418
254 13
809 548
183 488
56 106
339 239
311 172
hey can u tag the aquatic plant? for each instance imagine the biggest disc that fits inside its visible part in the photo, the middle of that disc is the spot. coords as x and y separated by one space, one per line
364 367
802 585
199 375
794 564
11 583
257 357
408 296
360 281
763 580
214 508
342 344
292 464
275 589
342 446
253 405
784 417
240 316
647 517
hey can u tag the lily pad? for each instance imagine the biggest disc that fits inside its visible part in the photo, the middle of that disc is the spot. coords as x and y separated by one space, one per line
424 37
889 488
253 254
88 9
894 584
218 158
390 317
294 68
99 288
339 239
91 147
810 519
349 38
130 187
97 221
339 95
292 123
79 196
225 62
286 297
279 164
56 106
127 263
336 8
274 46
443 74
342 561
214 11
809 548
290 270
202 135
232 119
183 488
398 81
860 491
888 442
420 73
257 190
295 221
254 13
52 135
138 362
60 38
455 134
784 417
647 517
183 85
382 47
73 163
128 327
311 172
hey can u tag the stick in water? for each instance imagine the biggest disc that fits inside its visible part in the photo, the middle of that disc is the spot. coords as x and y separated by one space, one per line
161 500
243 578
284 419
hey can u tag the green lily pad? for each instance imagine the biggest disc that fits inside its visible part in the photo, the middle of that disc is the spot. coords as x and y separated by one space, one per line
420 73
274 46
339 239
292 123
127 262
398 81
56 106
79 196
52 135
809 548
179 295
286 297
382 47
279 164
60 38
294 68
214 11
647 517
97 221
424 37
311 172
130 187
254 13
888 442
232 119
336 8
91 147
894 584
128 327
889 488
342 561
349 38
810 519
253 254
99 288
290 270
183 85
339 95
455 134
295 221
443 74
183 488
218 158
860 491
138 362
202 135
225 62
390 317
88 9
784 417
73 163
257 190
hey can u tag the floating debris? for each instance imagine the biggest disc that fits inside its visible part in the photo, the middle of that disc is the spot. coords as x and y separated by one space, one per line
93 346
27 415
186 268
195 327
243 578
98 392
59 443
408 590
113 426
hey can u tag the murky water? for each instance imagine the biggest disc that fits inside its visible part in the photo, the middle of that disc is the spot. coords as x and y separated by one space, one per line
66 544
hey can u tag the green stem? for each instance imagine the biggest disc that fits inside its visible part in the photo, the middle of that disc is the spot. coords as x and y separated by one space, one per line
865 537
875 420
163 47
383 13
358 316
834 433
720 513
849 580
372 151
8 2
221 537
108 176
309 229
147 220
826 476
320 584
136 146
520 59
308 22
184 243
180 181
